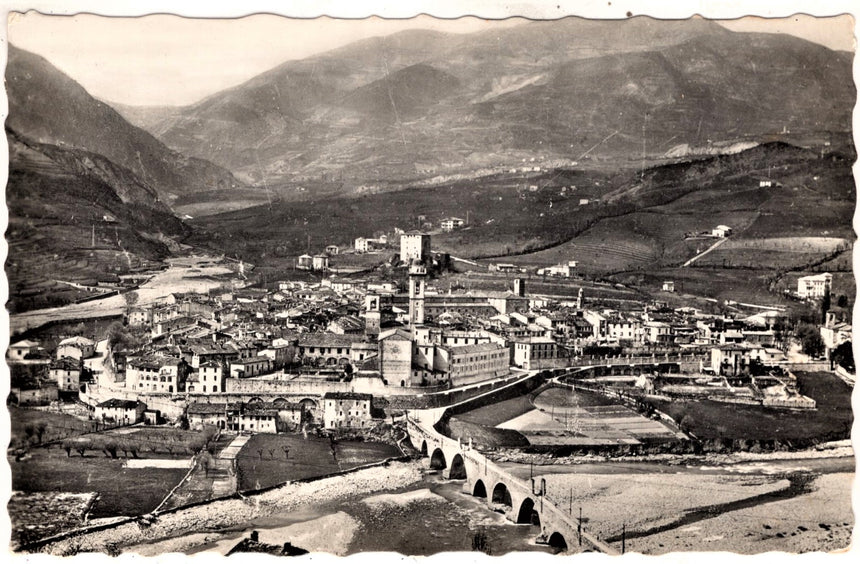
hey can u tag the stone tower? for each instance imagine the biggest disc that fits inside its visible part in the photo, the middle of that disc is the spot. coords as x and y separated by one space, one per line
519 287
417 275
372 315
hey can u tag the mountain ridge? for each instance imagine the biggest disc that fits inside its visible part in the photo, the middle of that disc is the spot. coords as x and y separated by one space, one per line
296 122
48 106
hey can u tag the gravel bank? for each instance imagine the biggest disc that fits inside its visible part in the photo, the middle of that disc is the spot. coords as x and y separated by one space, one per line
821 520
234 512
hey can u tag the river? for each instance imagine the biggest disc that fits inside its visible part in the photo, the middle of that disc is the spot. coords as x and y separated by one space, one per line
435 515
188 274
429 517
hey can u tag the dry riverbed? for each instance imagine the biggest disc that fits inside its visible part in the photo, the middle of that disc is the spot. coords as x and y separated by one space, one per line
180 530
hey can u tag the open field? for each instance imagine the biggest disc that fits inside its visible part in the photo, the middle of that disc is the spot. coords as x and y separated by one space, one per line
262 462
37 515
576 418
497 413
484 436
121 490
145 463
715 420
789 244
734 284
57 425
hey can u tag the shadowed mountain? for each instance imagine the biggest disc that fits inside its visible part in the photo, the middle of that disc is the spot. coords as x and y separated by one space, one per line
627 90
76 217
47 106
402 95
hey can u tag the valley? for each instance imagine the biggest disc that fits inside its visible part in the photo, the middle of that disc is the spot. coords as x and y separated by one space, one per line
430 291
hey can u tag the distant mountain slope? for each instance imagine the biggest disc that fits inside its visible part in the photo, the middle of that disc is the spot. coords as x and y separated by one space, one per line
628 219
704 89
559 89
402 94
74 216
47 106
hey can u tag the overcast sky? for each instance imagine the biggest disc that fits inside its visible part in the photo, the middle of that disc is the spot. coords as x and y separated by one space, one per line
126 60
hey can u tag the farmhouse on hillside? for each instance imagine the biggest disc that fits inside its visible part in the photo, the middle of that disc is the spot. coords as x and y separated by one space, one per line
815 286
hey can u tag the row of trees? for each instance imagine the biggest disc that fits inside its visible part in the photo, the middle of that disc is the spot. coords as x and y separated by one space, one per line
134 445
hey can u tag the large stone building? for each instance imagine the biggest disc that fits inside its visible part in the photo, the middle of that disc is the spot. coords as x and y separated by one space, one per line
414 245
346 410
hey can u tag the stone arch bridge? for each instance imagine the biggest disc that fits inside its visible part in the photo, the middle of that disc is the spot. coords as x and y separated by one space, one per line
521 501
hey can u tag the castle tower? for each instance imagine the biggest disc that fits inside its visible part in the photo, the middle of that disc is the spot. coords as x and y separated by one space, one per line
417 274
372 315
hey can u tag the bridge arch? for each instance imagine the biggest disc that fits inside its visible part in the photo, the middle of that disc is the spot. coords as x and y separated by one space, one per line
501 495
480 490
437 460
458 468
527 513
556 540
308 403
423 449
255 400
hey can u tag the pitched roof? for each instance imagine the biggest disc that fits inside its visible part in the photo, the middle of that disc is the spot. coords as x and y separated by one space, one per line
347 396
77 341
119 403
327 340
479 348
396 332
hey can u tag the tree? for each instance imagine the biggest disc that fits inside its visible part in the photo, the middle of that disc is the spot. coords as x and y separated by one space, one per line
286 450
131 299
843 355
41 427
810 339
68 446
110 448
206 462
29 432
82 446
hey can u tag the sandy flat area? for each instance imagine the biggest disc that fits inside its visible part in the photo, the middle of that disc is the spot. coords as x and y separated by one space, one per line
330 533
645 501
819 520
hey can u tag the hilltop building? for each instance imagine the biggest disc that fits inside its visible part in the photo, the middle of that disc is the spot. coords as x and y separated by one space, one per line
414 245
564 270
451 223
721 231
816 286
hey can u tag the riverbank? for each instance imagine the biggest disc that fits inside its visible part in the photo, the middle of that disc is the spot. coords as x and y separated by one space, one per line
834 449
197 274
170 529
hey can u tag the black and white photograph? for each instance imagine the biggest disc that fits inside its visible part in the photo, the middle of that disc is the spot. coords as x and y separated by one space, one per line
513 279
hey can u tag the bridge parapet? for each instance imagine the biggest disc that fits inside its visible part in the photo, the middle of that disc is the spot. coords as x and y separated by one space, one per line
521 501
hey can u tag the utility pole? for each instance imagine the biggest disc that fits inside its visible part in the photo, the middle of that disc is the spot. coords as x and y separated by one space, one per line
623 538
579 526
